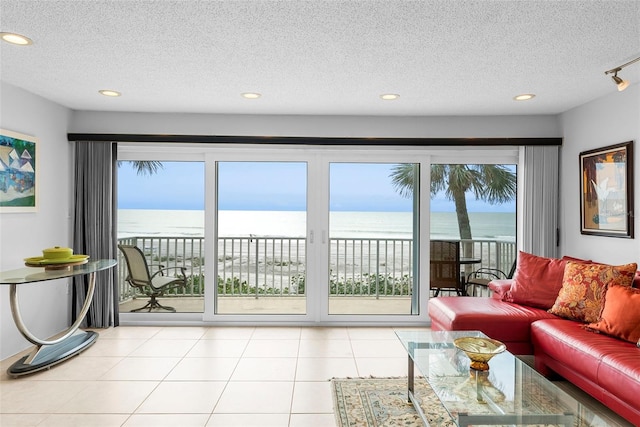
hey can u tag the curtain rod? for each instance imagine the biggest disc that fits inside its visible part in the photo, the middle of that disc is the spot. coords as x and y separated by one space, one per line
303 140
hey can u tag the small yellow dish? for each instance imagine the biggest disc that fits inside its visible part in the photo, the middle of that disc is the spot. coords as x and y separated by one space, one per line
38 260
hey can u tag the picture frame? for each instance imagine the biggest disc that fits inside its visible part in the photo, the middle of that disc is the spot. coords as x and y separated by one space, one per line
606 187
18 172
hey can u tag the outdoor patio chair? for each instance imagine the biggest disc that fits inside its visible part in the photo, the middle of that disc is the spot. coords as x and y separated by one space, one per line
152 285
445 267
480 278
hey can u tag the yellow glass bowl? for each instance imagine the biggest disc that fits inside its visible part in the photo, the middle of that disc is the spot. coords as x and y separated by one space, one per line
479 350
57 252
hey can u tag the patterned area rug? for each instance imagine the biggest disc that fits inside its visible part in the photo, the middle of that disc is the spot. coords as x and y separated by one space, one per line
377 402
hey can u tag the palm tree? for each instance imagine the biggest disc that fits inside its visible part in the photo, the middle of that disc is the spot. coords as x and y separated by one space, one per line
490 183
144 167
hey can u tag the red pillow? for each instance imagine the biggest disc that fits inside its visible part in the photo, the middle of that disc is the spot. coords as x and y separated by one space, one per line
621 314
537 280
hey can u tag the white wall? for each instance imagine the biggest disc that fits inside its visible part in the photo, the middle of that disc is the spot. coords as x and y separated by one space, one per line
45 307
610 120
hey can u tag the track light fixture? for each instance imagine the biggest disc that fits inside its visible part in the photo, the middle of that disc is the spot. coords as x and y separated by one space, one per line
622 84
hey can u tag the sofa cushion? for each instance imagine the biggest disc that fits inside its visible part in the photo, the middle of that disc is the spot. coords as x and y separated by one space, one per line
536 281
610 363
621 314
584 287
503 321
569 342
619 375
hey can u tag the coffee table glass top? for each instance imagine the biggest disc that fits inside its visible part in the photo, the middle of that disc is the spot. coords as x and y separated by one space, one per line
510 392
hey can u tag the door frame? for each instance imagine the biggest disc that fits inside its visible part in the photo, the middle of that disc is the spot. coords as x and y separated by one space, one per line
317 158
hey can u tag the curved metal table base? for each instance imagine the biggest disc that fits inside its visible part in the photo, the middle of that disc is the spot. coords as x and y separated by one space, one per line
51 352
44 357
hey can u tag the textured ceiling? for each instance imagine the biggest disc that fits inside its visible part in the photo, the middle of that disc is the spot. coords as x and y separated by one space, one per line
321 57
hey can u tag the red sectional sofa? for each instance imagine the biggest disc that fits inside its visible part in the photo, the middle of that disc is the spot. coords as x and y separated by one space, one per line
606 367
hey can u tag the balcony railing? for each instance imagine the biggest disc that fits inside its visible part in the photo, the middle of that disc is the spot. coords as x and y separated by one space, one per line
276 266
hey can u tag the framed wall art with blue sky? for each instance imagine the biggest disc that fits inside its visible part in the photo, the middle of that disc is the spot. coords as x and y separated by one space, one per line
18 172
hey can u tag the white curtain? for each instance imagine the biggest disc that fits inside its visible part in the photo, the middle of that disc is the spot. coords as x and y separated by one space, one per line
540 202
94 229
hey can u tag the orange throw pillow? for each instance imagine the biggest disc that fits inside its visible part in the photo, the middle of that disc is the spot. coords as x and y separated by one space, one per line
584 287
536 281
621 314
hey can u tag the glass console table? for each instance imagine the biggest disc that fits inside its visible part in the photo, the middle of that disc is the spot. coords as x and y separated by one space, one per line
72 341
510 393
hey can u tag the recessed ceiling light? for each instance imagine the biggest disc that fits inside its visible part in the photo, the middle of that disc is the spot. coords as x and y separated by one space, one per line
389 96
107 92
524 97
251 95
16 39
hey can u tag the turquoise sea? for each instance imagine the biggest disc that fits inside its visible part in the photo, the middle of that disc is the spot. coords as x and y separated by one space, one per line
190 223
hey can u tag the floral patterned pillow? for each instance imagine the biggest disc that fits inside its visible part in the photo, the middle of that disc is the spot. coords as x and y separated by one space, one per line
584 286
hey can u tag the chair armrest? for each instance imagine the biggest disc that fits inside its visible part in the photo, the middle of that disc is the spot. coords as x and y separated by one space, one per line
183 271
500 287
487 273
154 266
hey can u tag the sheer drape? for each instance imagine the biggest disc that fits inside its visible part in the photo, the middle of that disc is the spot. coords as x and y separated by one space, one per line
540 204
94 230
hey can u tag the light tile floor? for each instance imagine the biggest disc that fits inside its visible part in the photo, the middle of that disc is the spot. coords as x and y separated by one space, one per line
201 376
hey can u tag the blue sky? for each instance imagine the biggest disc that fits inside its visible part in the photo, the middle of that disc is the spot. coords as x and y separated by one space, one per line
272 186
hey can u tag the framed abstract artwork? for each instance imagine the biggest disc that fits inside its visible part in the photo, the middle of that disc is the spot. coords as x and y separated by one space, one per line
606 186
18 172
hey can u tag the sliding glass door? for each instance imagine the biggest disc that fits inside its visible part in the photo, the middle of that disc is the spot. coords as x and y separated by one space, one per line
261 229
373 224
161 211
305 234
474 207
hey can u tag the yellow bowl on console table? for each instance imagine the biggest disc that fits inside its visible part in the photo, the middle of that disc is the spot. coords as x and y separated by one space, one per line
479 350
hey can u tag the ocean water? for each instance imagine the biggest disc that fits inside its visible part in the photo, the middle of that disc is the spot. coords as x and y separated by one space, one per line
190 223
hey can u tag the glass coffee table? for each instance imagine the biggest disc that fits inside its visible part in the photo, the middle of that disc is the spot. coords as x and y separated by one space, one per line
509 393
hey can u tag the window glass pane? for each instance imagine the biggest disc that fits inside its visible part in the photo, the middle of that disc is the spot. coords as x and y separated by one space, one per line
372 236
261 238
474 205
161 211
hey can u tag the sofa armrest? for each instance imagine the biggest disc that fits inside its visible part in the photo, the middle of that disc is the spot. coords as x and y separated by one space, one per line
500 287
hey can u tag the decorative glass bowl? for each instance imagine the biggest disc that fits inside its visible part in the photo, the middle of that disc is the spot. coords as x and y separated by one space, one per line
479 350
